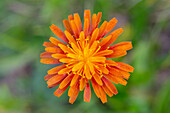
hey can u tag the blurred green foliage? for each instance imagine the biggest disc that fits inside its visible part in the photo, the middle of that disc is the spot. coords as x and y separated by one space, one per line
24 26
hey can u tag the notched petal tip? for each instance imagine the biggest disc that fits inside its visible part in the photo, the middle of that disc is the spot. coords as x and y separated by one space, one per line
87 93
125 67
49 61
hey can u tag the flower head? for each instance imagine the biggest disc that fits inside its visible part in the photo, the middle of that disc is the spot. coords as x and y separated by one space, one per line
82 55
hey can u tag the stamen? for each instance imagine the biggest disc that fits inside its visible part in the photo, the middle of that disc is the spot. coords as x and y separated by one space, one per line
101 76
78 39
96 50
86 40
108 66
72 59
100 72
73 50
78 43
68 46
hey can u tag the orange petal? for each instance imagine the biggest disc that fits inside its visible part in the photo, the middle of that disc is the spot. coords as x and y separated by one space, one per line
66 81
45 55
59 56
71 89
70 37
66 60
105 40
59 91
93 25
82 83
97 59
67 26
91 67
55 79
58 33
48 44
49 61
114 35
103 68
78 21
82 39
111 24
75 78
111 78
120 73
125 67
65 48
86 27
104 52
56 84
98 79
56 69
102 29
111 63
64 70
70 17
108 92
115 72
87 93
78 66
95 88
93 47
75 48
87 71
117 53
116 79
98 18
87 15
94 36
55 41
109 85
74 95
125 74
121 80
53 50
103 95
47 77
74 56
122 46
74 28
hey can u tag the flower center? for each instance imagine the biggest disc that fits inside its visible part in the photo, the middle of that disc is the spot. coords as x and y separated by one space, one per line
83 57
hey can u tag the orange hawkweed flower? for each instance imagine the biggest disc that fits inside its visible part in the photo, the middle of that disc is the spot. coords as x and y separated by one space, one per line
83 58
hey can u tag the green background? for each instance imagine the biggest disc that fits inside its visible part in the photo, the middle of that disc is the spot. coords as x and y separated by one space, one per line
24 26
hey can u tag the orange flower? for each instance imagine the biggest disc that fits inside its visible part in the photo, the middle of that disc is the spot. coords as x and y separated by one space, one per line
82 55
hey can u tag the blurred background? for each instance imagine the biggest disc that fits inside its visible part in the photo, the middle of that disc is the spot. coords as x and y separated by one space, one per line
24 26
